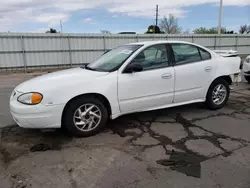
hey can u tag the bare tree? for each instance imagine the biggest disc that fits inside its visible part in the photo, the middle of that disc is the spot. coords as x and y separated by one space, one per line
105 32
170 25
244 29
186 32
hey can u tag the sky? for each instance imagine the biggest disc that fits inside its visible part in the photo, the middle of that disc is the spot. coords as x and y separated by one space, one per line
92 16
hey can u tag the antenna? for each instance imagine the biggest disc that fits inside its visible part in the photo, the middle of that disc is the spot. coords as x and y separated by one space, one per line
61 26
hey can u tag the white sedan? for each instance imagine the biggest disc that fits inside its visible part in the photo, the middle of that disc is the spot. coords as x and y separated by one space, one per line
131 78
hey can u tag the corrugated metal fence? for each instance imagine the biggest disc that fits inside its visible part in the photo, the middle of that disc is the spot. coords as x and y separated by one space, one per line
27 51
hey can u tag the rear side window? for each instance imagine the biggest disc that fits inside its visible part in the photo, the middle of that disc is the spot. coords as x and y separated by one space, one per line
185 53
204 54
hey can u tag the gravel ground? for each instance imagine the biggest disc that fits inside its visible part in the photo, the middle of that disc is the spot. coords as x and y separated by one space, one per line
187 146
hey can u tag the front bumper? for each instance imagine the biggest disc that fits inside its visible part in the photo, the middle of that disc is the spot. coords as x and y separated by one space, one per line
36 116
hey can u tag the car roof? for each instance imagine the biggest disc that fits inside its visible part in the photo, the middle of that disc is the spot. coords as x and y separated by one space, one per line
148 43
159 41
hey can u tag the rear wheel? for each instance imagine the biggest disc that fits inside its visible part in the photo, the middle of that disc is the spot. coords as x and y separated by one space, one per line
248 79
218 94
85 116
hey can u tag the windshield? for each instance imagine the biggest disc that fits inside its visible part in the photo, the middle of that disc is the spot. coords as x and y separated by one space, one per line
113 59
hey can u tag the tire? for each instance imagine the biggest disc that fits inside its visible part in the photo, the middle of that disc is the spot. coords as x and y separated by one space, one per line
82 127
212 102
247 79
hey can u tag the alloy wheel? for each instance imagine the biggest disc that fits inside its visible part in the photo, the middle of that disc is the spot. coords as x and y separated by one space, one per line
87 117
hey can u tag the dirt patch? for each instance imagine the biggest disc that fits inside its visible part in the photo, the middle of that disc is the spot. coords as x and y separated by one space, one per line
16 141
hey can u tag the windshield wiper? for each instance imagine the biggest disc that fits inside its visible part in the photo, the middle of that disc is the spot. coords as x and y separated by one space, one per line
89 68
93 69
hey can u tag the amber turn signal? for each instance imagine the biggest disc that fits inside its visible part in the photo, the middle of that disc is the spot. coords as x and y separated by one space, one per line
36 98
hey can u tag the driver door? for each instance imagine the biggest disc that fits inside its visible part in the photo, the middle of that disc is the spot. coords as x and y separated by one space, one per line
151 88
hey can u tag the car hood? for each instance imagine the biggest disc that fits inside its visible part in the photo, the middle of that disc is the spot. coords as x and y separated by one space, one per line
59 79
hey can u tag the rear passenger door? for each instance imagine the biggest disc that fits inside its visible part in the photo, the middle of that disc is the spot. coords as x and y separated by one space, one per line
193 72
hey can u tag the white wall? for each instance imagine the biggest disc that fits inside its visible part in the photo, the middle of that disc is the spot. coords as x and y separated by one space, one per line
21 50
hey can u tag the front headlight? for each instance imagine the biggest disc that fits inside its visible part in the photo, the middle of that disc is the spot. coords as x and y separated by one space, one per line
30 98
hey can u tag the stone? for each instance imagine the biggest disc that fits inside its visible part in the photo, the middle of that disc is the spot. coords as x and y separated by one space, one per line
242 116
198 113
164 119
247 104
173 131
226 110
199 132
244 92
101 139
247 110
228 172
172 148
241 99
203 147
145 140
124 172
135 130
228 126
153 154
235 95
229 144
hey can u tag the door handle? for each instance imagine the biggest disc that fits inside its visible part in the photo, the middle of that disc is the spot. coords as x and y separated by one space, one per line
208 69
166 76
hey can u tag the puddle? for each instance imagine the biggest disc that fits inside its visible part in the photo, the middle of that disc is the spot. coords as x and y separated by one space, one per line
187 163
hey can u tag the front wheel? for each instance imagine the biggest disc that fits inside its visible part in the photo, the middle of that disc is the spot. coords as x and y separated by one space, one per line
247 79
85 116
218 94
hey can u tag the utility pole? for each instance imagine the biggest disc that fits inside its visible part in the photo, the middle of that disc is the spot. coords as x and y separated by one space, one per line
156 18
220 17
157 15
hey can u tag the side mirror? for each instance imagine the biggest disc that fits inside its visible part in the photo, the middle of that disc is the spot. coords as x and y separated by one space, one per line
134 67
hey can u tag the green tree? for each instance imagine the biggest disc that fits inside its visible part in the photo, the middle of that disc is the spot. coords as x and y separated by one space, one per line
51 30
170 25
153 29
213 30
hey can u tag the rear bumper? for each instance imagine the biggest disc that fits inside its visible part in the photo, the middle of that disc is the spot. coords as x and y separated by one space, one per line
36 116
246 69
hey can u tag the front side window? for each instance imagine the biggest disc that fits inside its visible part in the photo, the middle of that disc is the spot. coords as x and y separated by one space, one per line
113 59
185 53
153 57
